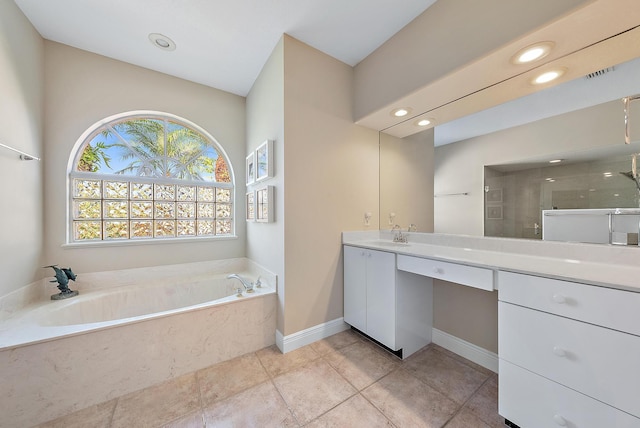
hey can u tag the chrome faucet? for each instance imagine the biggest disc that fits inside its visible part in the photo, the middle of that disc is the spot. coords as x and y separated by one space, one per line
248 286
398 236
412 228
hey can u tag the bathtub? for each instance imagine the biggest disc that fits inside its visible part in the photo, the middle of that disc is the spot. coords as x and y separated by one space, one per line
125 331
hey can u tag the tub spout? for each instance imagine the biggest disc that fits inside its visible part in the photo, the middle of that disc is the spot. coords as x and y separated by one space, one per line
248 286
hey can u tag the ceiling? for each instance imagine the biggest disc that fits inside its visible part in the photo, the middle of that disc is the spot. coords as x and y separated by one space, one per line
222 44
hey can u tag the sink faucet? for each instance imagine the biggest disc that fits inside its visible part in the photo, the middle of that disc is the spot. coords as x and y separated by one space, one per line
398 236
248 286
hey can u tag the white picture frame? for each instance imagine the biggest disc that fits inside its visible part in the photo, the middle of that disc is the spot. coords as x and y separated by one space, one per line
251 206
264 205
264 161
251 168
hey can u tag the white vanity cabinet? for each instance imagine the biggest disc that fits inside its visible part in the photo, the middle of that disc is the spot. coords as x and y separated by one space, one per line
391 307
370 293
569 353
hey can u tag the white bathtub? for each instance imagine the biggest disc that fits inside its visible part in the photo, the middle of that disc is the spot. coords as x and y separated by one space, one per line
125 331
133 303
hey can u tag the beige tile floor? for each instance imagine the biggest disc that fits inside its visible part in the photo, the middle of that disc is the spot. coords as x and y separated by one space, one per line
342 381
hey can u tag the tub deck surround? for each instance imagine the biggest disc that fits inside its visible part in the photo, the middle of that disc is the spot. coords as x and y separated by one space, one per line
611 266
110 299
40 291
50 366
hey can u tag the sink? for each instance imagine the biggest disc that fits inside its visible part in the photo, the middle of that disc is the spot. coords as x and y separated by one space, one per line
391 244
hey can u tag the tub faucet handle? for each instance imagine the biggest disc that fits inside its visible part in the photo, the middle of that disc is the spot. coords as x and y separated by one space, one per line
258 283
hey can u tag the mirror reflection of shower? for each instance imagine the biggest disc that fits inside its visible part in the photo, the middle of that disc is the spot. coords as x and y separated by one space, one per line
515 198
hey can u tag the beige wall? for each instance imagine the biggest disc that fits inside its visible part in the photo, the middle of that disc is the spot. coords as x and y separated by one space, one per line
331 180
406 180
459 167
326 178
265 120
435 44
82 88
21 117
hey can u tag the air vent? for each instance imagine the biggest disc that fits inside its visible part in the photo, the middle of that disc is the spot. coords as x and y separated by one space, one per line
599 72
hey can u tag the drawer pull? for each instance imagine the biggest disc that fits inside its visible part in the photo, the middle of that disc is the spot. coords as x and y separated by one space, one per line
559 298
559 351
560 420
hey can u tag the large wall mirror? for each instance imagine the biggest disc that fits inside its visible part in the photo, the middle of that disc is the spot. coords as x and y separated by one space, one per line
510 195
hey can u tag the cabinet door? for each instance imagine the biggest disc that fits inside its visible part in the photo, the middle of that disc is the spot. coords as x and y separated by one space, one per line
355 287
381 297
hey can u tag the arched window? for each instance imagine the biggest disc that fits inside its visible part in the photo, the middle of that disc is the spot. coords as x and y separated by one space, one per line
149 175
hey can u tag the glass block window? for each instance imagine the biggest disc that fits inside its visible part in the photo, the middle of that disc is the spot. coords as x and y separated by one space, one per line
149 177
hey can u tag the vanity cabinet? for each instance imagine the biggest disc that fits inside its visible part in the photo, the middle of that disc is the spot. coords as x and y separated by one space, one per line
569 353
370 293
391 307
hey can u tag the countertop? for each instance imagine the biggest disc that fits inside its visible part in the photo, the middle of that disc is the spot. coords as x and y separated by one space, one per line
612 266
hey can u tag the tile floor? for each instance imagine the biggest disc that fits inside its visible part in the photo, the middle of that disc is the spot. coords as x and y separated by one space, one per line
342 381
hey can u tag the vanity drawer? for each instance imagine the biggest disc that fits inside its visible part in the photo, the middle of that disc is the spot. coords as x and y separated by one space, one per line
608 307
453 272
529 400
595 361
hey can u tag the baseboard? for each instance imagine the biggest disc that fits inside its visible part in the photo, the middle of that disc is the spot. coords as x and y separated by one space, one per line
310 335
478 355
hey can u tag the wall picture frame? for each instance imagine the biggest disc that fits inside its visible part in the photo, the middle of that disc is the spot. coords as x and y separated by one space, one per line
494 212
264 205
494 195
251 206
251 168
264 161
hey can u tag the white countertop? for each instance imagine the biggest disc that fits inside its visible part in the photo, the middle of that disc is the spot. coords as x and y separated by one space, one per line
612 266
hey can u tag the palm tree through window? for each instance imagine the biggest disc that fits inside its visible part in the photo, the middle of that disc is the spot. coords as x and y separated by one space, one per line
149 176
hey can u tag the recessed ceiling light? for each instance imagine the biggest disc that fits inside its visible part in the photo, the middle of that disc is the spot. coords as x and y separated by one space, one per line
548 76
424 122
532 53
161 41
556 160
401 112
